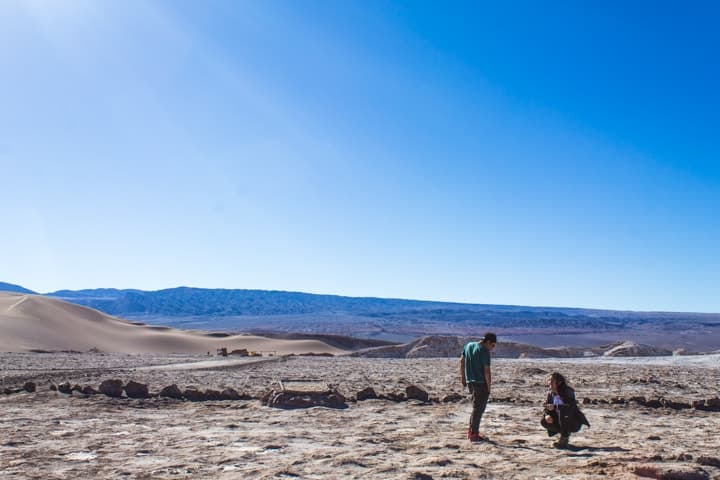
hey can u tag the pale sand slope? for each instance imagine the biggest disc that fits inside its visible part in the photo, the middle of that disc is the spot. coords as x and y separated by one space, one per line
32 322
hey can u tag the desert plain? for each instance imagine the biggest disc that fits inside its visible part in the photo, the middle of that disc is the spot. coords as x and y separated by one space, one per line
51 435
165 415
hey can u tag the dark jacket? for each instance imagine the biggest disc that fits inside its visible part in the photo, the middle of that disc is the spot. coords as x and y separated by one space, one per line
567 418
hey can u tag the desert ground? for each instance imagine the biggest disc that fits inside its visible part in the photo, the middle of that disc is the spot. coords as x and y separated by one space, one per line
51 435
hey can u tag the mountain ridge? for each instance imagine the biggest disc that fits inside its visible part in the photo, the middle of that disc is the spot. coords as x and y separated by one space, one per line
397 320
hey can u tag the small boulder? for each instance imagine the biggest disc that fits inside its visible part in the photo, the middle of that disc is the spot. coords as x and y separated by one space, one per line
712 404
675 405
229 394
171 391
396 397
112 388
211 394
416 393
29 387
65 388
193 394
335 400
88 390
709 461
136 390
366 394
677 473
452 398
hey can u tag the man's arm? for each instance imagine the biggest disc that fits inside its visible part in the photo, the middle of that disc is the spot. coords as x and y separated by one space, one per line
462 370
488 377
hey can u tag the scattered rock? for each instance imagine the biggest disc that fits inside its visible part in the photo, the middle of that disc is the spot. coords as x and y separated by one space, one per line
88 390
112 388
671 473
193 394
366 394
710 461
675 405
136 390
29 387
292 399
230 394
416 393
395 397
65 388
534 371
712 404
53 387
211 394
420 476
171 391
452 398
652 403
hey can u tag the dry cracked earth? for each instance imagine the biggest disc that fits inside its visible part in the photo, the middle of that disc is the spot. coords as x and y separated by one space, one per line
50 435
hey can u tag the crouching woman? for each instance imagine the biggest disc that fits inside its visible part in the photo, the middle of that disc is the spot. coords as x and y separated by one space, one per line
562 414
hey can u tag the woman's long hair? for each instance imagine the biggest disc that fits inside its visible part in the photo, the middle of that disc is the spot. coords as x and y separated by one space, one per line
562 386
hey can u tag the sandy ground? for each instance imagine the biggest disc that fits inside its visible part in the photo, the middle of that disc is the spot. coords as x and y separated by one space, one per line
50 435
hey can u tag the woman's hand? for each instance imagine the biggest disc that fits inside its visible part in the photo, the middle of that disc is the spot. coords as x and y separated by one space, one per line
548 419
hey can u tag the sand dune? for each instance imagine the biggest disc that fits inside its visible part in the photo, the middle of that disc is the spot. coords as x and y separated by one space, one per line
32 322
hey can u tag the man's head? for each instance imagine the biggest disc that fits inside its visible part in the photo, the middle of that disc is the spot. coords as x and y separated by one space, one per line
489 340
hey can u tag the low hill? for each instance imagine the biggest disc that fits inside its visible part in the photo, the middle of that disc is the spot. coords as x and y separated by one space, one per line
9 287
32 322
447 347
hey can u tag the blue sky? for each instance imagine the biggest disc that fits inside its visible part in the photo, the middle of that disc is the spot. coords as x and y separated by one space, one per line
517 153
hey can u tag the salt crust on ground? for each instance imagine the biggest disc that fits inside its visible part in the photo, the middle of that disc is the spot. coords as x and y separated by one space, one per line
49 435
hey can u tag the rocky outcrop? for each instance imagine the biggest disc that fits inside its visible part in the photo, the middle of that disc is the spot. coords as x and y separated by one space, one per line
437 346
632 349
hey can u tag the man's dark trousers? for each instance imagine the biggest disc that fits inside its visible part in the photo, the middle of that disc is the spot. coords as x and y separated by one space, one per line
480 394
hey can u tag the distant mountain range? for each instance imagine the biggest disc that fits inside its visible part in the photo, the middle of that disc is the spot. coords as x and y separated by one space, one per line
390 319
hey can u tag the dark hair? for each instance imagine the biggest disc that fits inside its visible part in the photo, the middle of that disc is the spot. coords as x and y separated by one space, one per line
489 337
563 389
559 381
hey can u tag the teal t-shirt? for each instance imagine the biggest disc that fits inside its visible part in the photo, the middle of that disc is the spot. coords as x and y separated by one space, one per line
477 358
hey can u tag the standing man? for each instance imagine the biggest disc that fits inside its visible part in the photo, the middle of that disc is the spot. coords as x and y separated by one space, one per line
475 373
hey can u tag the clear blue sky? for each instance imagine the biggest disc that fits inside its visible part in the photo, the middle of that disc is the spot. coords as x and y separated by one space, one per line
523 153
